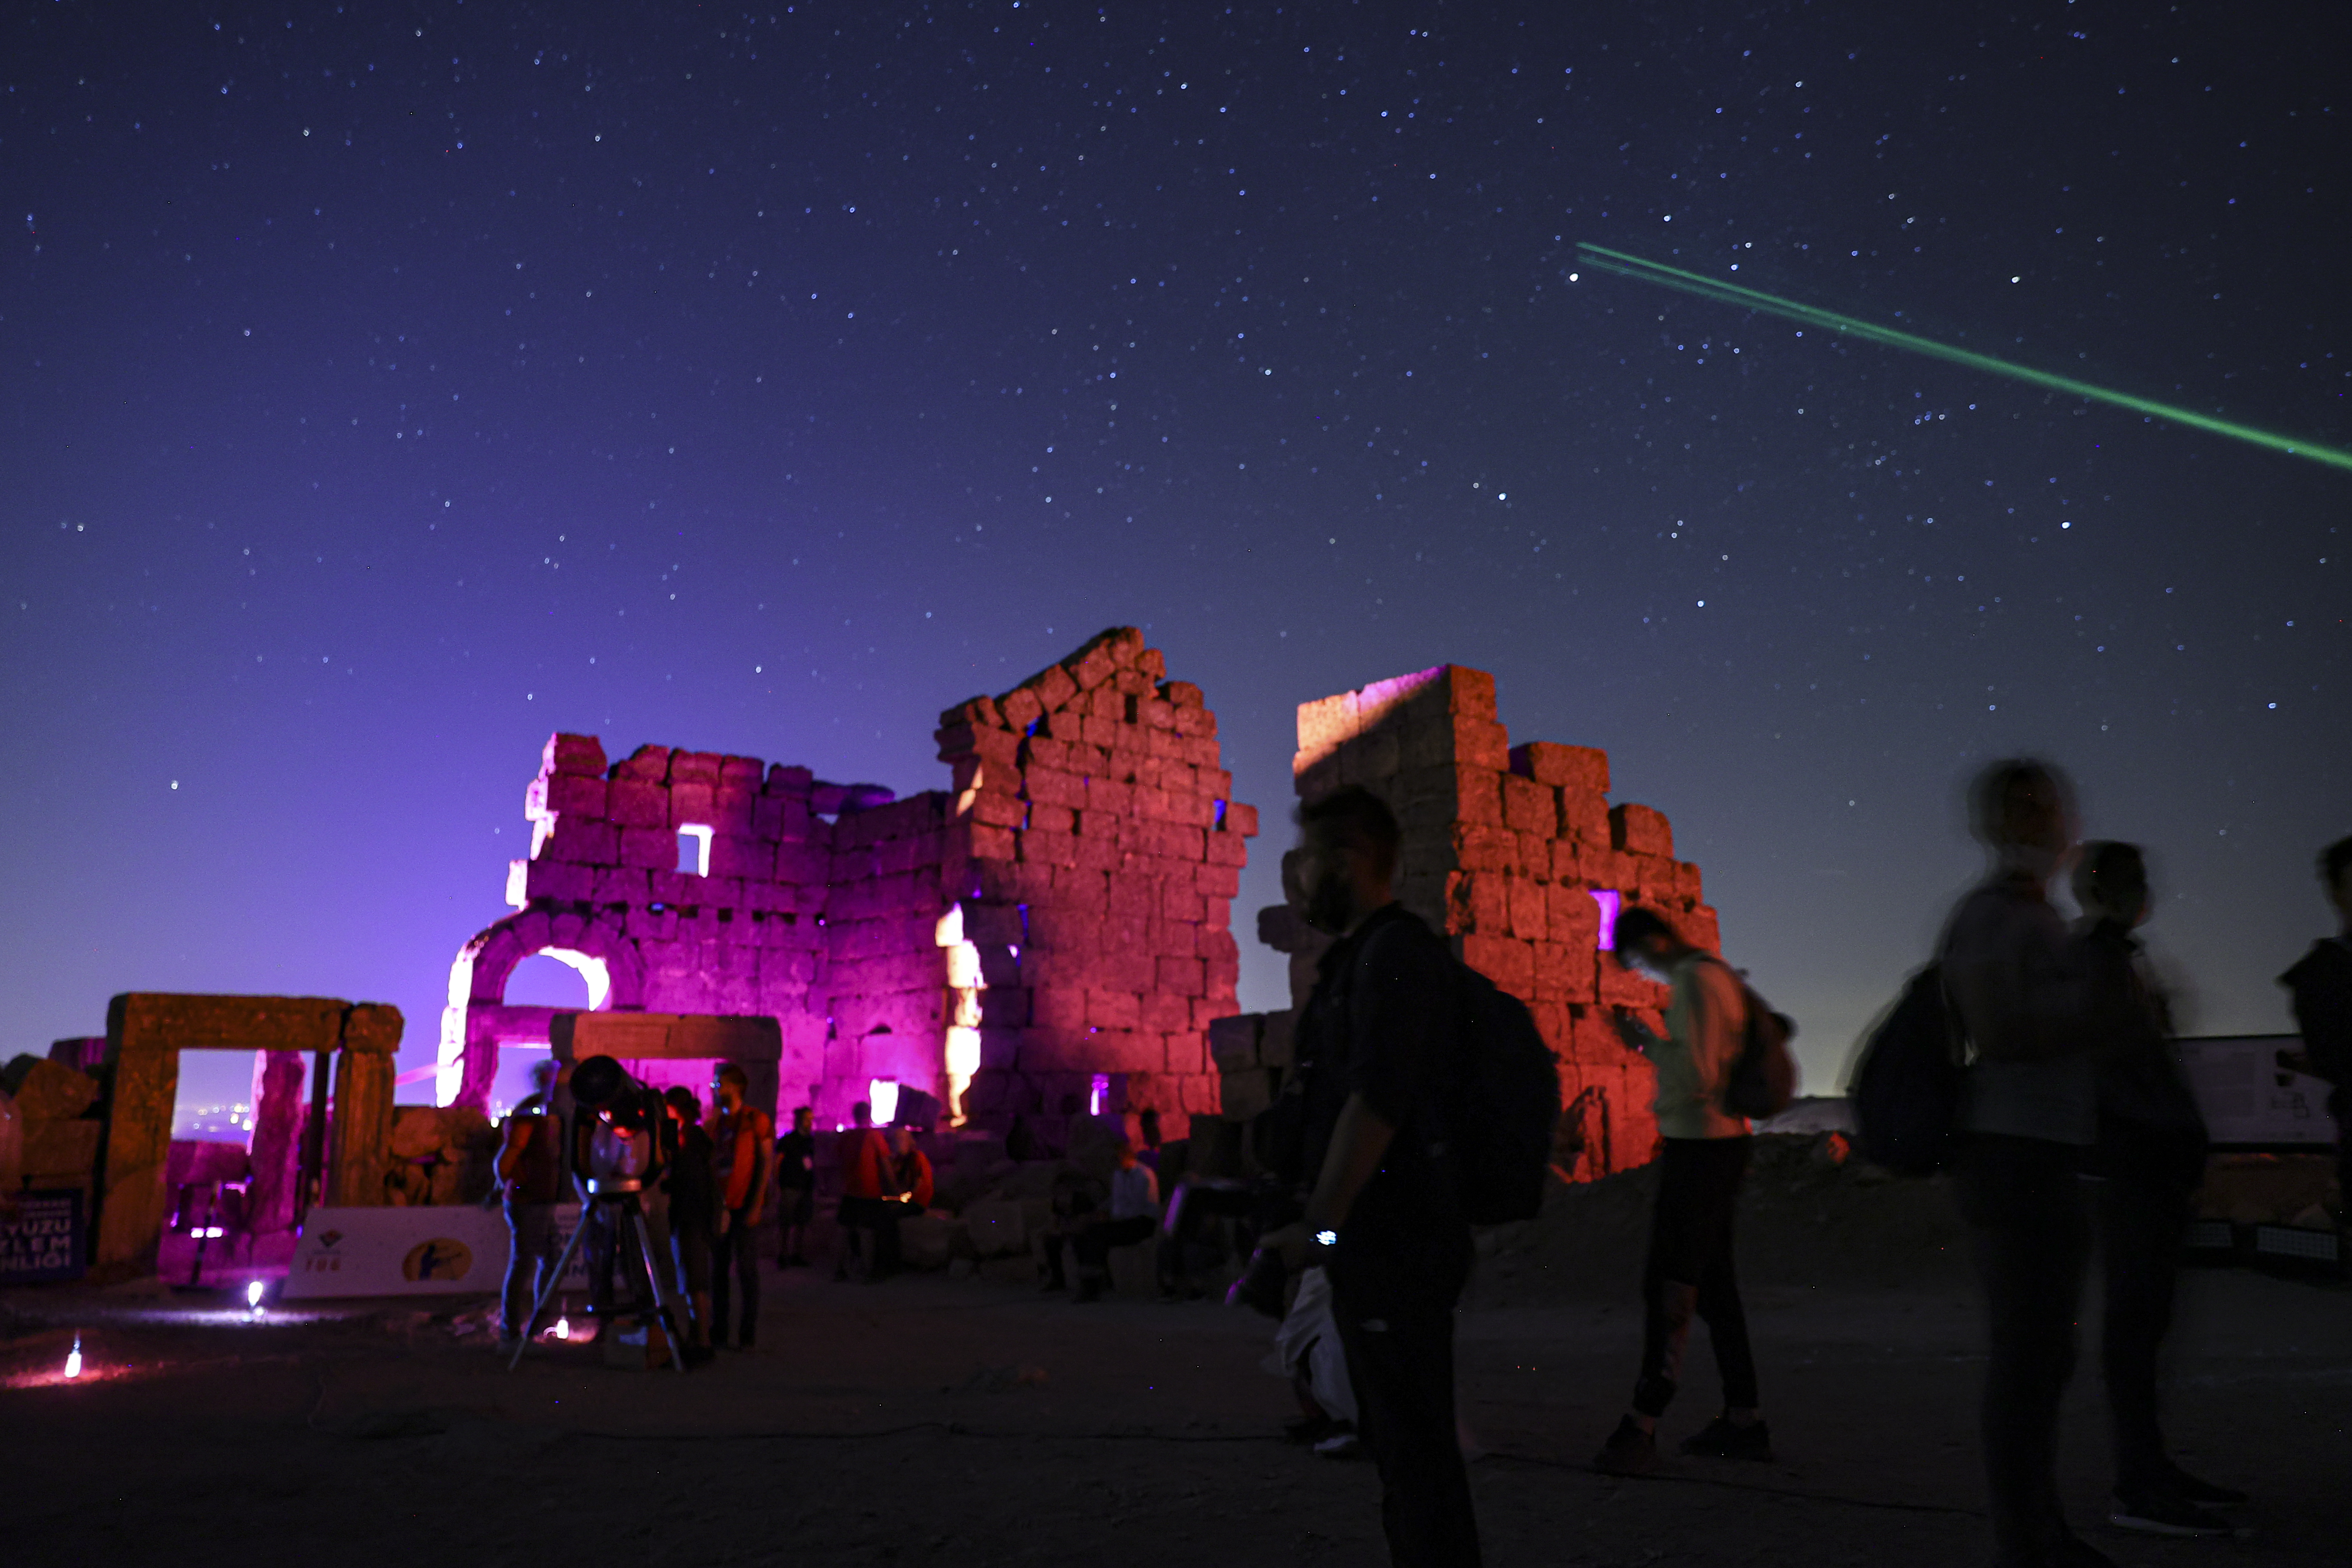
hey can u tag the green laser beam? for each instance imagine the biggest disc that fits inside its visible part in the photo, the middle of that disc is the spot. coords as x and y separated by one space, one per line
1658 273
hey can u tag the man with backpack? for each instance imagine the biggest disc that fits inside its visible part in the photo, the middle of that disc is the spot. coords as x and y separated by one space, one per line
1704 1155
1379 1060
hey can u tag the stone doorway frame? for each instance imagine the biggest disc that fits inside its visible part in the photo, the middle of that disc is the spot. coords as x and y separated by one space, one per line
145 1033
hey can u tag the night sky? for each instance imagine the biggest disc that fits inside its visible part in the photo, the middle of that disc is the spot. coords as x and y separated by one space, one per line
386 387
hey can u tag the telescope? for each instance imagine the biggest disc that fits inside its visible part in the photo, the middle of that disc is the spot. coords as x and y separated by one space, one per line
631 1139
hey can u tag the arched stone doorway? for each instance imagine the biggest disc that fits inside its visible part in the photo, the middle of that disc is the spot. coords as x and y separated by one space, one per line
477 1019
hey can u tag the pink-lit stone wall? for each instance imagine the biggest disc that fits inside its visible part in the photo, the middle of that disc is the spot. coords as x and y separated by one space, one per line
1503 850
1063 906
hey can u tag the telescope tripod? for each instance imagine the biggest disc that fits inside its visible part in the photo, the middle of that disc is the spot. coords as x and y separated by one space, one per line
624 1201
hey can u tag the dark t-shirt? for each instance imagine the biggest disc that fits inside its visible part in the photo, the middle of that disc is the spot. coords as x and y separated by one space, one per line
1381 1024
693 1195
796 1162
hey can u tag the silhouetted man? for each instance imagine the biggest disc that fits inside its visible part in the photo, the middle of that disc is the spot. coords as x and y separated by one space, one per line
2321 982
742 1141
693 1215
2151 1161
1380 1057
868 1181
1134 1216
796 1188
531 1183
2028 1114
1703 1155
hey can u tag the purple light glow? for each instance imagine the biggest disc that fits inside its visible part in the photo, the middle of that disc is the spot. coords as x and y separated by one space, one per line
1611 902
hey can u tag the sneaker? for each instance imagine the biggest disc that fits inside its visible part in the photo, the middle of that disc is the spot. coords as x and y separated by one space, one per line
1340 1445
1630 1451
1722 1438
2191 1488
2158 1513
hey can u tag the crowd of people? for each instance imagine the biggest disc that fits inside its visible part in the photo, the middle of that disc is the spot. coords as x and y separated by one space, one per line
1361 1241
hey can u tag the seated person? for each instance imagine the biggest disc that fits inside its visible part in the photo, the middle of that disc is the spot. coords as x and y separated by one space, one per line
912 1170
1133 1217
1077 1199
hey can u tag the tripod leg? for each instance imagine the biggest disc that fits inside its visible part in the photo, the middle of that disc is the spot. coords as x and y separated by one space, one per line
547 1285
672 1320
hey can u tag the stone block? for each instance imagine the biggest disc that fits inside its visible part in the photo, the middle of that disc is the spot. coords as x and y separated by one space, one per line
1001 746
1276 1040
982 712
1584 817
1043 848
1165 1014
637 802
1181 976
1113 1010
1564 972
1232 1041
1574 919
1483 848
1638 830
1061 1009
1246 1092
1224 850
1218 882
698 767
566 794
575 754
583 840
802 863
62 1148
691 801
1017 710
1529 806
558 881
985 843
1584 768
674 888
1240 819
785 780
644 762
732 808
780 816
1055 787
1530 913
47 1090
1689 886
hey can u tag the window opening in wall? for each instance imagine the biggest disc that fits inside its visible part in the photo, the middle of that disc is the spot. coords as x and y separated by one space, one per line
882 1099
1609 901
1097 1093
694 850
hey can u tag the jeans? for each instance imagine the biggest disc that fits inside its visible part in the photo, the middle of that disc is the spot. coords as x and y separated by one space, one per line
1400 1365
2142 1220
2022 1200
531 1251
1690 1273
736 1251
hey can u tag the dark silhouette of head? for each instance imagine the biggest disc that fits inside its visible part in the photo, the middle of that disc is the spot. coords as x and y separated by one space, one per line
1644 937
2111 882
1348 855
2024 810
2335 875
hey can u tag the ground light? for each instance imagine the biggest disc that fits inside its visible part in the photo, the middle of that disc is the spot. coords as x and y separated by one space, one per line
73 1359
253 1297
1705 287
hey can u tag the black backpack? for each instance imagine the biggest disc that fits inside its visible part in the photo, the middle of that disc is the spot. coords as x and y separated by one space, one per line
1508 1109
1906 1090
1763 1077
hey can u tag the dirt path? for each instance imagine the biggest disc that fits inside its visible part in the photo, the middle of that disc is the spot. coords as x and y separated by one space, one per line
968 1422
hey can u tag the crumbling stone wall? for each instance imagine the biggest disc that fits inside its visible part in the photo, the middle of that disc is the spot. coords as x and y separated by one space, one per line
1504 851
1103 849
1060 914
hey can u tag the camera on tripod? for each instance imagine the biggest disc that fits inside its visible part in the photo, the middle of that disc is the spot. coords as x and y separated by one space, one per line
631 1140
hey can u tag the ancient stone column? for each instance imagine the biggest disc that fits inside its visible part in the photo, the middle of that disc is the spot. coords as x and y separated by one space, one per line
362 1115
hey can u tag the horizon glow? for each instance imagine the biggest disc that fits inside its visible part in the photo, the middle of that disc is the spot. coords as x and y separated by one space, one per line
1629 266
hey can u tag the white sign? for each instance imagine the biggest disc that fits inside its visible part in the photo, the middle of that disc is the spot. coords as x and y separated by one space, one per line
428 1251
2248 1098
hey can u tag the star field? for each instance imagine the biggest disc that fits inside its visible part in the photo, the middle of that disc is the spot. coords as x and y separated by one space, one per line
384 391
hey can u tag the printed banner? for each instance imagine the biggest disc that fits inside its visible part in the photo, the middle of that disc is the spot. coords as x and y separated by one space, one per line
43 1239
428 1251
2249 1100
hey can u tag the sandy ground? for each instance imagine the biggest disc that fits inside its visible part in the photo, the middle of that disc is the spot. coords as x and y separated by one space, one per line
929 1420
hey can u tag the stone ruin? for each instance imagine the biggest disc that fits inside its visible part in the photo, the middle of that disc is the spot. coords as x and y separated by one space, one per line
1049 937
1517 856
